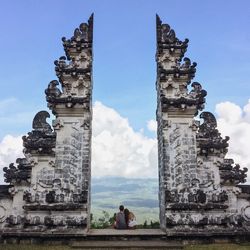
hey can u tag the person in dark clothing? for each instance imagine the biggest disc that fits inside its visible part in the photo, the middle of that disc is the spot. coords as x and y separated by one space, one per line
120 222
126 214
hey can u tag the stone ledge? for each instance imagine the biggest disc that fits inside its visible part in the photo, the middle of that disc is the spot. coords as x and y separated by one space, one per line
146 244
135 232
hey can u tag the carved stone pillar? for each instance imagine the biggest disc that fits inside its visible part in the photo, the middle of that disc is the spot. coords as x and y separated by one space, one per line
50 188
176 109
72 107
197 185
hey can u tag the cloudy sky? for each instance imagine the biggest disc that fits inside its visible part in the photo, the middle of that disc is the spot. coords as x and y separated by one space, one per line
124 138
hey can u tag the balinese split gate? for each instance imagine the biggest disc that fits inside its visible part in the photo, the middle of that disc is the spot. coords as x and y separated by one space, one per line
200 191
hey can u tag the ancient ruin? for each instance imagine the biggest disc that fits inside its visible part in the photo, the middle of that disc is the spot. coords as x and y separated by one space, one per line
200 191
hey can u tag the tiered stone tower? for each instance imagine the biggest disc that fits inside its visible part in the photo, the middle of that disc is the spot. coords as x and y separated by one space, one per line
50 187
198 190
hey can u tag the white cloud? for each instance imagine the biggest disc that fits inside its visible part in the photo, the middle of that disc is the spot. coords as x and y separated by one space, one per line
117 149
234 121
152 125
10 149
229 112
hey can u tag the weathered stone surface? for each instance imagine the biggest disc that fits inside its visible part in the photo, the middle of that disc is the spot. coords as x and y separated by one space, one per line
42 139
50 187
18 174
197 185
4 191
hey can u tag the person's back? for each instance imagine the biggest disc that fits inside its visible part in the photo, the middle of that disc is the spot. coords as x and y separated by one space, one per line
120 219
131 221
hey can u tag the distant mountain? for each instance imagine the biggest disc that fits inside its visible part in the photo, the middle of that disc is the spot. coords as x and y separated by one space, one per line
138 195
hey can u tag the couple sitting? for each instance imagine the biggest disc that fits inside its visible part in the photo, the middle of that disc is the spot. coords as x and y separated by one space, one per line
125 219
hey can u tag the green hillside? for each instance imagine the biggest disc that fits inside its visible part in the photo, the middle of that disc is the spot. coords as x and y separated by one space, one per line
138 195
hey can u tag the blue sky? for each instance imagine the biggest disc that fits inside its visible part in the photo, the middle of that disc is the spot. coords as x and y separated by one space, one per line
124 52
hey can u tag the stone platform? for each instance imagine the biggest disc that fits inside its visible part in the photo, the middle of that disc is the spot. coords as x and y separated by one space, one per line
112 238
127 239
136 232
127 245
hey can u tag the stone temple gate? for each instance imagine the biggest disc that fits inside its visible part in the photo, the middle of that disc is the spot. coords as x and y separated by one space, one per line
200 191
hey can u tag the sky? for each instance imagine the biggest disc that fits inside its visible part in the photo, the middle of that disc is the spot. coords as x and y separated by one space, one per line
124 71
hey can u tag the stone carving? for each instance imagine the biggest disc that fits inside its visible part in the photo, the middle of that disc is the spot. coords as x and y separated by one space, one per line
55 221
198 94
209 138
45 177
197 196
4 191
42 139
175 73
52 91
209 125
39 122
54 176
72 68
166 37
232 174
82 38
81 33
13 220
17 174
2 213
246 213
74 71
200 190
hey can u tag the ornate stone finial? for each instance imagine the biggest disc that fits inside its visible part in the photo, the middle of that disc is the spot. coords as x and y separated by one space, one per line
73 71
209 125
53 90
199 94
82 38
166 36
230 174
42 139
195 98
175 74
39 122
209 139
22 172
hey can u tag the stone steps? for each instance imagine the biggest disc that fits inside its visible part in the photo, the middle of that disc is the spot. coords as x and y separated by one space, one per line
127 244
126 239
